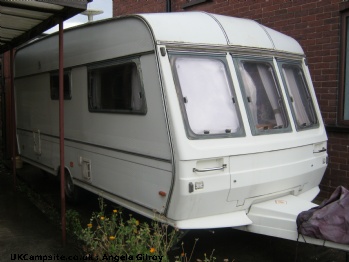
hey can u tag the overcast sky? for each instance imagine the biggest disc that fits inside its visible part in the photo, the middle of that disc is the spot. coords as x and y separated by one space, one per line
103 5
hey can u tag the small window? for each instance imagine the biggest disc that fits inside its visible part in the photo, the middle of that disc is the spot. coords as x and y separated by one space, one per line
206 96
54 85
263 98
116 88
299 96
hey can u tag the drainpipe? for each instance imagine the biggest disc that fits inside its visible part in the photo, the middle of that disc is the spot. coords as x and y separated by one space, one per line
168 6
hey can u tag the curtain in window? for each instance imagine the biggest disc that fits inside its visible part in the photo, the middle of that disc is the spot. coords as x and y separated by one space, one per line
299 108
136 97
96 91
251 92
269 84
265 104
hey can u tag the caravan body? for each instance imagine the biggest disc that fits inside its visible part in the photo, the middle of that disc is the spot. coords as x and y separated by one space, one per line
194 115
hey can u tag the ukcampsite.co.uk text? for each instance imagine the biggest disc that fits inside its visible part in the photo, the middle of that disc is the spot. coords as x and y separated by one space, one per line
29 257
43 258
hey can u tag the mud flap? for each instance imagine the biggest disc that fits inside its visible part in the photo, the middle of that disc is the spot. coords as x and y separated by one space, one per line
277 218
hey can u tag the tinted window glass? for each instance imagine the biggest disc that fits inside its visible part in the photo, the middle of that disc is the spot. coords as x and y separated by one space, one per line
116 88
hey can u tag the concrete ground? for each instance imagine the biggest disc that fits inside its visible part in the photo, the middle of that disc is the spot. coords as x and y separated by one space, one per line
26 230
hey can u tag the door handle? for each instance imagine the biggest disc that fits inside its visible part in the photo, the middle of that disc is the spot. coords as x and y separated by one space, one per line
321 150
210 168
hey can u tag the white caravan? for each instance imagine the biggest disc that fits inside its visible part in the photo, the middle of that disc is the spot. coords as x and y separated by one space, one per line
208 119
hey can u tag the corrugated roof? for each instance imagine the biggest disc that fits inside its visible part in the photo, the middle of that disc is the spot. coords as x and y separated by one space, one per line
22 20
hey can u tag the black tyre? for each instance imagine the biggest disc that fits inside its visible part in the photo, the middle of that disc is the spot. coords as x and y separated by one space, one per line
72 192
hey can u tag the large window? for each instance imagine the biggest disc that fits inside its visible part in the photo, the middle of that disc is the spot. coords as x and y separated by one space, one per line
299 96
206 96
263 97
116 88
343 96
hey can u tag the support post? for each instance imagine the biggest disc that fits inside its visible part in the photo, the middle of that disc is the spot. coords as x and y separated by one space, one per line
13 120
61 132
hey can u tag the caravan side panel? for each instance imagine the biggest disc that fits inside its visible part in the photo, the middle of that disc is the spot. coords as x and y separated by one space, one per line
124 155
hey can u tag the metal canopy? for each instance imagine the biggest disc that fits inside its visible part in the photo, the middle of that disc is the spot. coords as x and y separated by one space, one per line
21 20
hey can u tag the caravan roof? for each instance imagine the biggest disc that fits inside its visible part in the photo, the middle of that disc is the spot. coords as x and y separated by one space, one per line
205 28
128 35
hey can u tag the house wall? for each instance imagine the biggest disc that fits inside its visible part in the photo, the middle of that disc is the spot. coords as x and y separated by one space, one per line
316 25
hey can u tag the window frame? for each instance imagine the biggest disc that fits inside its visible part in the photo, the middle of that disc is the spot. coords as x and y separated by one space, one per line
344 59
298 63
218 56
109 64
54 89
254 130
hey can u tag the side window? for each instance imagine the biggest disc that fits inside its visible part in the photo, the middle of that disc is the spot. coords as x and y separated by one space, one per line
208 103
299 96
263 98
54 86
116 88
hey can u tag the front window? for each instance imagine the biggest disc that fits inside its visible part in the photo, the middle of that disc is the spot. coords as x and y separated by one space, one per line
299 96
207 99
263 97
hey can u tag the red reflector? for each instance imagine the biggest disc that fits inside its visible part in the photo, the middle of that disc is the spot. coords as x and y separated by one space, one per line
162 193
71 164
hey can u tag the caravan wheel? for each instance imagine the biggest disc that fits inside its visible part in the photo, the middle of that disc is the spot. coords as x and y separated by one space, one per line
71 191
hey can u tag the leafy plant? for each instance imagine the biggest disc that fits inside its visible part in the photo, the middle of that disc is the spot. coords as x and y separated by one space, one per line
112 235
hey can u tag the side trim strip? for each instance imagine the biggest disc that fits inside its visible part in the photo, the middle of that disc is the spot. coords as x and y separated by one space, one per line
101 146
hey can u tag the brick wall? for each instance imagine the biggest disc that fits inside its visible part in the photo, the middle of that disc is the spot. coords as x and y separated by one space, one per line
316 25
337 172
123 7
